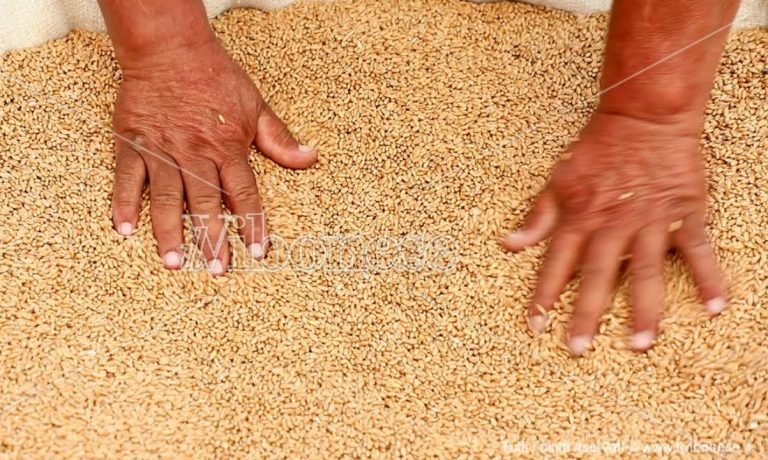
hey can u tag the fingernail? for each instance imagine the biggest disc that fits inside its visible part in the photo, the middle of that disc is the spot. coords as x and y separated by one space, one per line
716 305
538 323
257 250
641 341
515 238
215 267
125 229
306 148
173 259
579 344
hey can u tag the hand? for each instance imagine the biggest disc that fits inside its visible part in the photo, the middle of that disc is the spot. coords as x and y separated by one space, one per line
628 188
185 119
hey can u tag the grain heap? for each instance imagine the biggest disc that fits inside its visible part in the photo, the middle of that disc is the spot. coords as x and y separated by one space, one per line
433 118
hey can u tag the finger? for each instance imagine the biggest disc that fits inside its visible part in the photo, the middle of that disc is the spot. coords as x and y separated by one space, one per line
275 140
130 175
691 240
166 198
538 224
647 269
242 198
599 272
559 265
201 183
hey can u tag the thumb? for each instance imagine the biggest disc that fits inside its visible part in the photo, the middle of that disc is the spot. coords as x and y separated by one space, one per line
538 224
275 140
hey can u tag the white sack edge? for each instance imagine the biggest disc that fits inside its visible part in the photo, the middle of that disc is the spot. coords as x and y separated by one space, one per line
25 23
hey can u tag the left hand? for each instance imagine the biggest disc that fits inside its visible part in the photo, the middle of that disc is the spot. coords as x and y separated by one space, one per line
629 188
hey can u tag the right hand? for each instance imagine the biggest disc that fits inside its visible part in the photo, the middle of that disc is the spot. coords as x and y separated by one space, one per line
185 119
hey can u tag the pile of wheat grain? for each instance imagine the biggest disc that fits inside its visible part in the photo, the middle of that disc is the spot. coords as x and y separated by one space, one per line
435 119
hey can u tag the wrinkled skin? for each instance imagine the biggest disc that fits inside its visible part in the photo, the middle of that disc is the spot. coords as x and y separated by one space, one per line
184 120
627 189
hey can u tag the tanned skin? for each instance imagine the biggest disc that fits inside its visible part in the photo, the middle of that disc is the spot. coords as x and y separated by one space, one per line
184 118
630 188
633 185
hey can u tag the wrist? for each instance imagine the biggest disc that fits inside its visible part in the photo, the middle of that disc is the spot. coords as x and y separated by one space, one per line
661 58
688 117
681 97
151 48
145 32
622 125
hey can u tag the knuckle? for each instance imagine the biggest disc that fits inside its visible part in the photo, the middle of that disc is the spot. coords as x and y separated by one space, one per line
134 138
592 270
122 201
710 284
167 231
567 182
698 246
228 151
166 196
125 180
584 319
645 270
237 128
205 200
245 194
283 136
